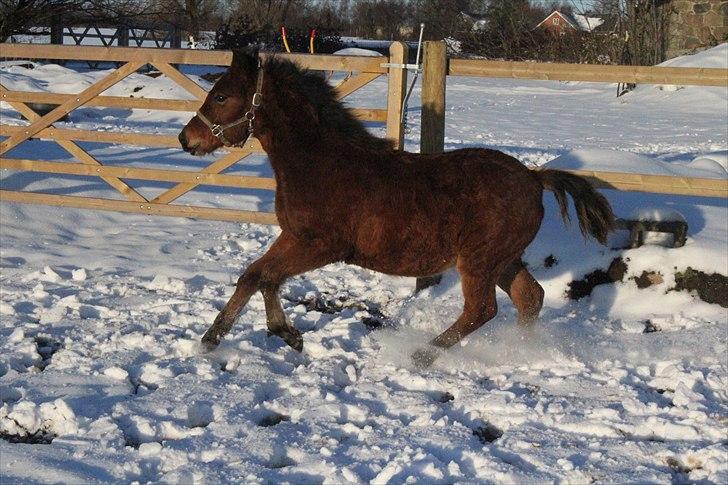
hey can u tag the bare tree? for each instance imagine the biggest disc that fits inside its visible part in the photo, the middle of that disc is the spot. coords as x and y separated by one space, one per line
189 15
380 18
17 16
443 18
266 14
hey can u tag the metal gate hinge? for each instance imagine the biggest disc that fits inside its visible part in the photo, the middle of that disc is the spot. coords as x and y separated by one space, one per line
411 67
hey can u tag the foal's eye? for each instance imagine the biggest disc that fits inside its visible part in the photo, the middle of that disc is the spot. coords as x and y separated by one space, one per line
220 98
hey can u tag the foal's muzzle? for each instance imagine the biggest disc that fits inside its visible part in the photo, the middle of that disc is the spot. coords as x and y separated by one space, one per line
193 143
185 144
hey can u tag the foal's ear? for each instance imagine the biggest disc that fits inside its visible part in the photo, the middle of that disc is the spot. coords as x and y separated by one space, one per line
246 59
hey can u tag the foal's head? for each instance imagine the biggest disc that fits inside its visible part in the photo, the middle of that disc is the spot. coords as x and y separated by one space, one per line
227 115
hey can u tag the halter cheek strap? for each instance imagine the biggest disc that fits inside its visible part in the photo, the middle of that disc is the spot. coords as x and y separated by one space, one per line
218 130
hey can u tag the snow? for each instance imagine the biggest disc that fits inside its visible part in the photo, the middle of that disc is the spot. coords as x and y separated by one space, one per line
101 315
715 58
355 51
658 214
707 165
586 23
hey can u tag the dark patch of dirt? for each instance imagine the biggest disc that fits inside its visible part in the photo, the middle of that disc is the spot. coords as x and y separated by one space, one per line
651 327
487 433
680 468
273 419
648 278
281 462
446 397
47 346
332 305
580 288
138 88
153 73
550 261
372 323
39 438
711 288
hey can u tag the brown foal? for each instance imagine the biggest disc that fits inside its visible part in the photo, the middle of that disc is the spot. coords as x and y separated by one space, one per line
345 195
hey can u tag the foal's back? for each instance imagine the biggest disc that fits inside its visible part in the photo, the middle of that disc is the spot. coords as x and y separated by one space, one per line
422 211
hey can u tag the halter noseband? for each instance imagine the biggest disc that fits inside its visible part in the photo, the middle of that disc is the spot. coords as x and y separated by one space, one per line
219 130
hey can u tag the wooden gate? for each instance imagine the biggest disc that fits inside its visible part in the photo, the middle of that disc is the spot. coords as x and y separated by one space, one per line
360 71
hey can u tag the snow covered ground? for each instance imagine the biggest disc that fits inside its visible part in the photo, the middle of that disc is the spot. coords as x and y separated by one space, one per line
102 377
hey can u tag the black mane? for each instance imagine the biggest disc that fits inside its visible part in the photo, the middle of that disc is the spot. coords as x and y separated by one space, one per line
313 95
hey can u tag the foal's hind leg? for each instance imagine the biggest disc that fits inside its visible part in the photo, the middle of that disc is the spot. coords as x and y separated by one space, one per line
524 291
286 257
276 318
480 306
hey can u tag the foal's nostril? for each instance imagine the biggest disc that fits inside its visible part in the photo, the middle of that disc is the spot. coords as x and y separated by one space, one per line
182 139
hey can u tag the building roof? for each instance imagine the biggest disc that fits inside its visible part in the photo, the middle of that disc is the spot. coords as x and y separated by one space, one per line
587 24
576 21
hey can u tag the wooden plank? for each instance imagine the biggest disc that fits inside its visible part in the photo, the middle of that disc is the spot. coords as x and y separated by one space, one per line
396 89
180 189
138 173
69 105
148 208
190 106
188 84
354 83
661 184
684 76
119 138
105 101
146 55
369 114
115 182
432 137
81 155
322 62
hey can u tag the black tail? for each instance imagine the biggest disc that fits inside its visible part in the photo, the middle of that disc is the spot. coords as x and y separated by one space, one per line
592 208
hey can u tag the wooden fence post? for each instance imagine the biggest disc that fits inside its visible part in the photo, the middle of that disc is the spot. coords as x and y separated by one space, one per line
122 35
398 54
57 30
175 40
432 138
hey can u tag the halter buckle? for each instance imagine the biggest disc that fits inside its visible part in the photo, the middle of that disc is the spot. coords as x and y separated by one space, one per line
217 130
257 98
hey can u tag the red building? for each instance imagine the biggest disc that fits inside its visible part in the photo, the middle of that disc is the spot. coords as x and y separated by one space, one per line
559 23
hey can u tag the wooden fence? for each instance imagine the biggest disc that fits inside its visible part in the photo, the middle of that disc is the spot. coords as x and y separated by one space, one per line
437 67
360 72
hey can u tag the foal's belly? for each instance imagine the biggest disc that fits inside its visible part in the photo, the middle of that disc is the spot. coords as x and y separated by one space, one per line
413 249
399 267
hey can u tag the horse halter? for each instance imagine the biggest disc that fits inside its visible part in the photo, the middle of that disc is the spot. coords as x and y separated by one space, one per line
218 130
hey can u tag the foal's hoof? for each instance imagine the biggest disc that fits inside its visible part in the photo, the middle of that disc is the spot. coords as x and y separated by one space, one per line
292 337
423 358
210 341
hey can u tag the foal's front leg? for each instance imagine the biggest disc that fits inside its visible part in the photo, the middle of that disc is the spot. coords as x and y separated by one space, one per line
287 257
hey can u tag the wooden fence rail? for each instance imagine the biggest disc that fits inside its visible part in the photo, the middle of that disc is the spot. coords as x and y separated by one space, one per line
360 71
437 66
691 76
